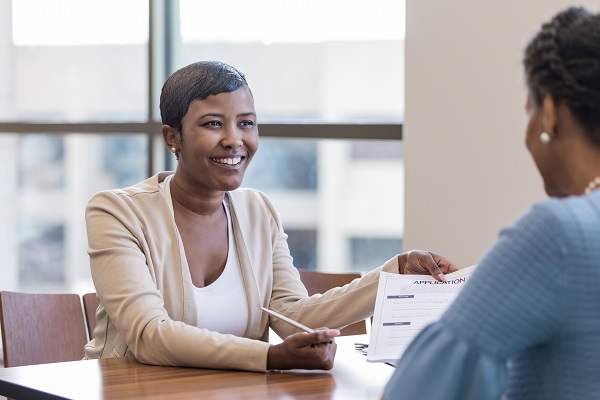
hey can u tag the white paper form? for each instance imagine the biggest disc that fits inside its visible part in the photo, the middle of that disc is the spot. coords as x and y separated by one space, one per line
405 304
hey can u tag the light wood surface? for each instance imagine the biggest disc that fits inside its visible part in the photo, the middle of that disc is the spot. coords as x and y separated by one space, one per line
124 378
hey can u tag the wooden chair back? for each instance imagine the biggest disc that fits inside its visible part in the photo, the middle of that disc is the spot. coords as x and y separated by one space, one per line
90 305
320 282
41 328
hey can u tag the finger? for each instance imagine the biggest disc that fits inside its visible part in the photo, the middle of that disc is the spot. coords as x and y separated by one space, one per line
437 273
426 262
445 264
321 336
326 335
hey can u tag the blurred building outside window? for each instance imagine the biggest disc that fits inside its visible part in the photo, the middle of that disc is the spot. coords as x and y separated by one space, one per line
81 65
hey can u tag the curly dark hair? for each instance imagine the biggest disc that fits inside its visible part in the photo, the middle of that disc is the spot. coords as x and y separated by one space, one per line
563 61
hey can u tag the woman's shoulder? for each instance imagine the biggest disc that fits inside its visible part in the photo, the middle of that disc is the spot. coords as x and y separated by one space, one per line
134 193
570 210
249 196
559 222
252 203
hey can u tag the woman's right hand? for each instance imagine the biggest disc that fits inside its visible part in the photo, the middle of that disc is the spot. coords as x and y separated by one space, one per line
304 351
425 262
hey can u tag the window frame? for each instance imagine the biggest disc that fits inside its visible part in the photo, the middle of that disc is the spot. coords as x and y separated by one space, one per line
162 50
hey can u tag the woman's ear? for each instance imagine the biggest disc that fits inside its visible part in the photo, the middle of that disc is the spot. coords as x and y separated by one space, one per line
171 137
549 115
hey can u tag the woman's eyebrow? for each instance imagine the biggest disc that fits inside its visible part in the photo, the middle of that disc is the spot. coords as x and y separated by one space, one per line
217 115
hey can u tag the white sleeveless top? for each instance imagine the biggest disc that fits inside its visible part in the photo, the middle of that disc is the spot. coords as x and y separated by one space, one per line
222 305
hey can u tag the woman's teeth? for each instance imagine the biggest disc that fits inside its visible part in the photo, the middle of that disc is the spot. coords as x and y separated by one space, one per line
230 161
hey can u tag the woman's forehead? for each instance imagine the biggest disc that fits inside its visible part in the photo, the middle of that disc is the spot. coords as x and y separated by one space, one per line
238 102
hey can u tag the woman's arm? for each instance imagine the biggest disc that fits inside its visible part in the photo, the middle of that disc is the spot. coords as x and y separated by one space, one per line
130 282
514 301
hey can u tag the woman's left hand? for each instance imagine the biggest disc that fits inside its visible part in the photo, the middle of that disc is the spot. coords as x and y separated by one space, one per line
424 263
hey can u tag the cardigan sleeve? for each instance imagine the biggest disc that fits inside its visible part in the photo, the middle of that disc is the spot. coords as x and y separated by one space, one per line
277 276
129 278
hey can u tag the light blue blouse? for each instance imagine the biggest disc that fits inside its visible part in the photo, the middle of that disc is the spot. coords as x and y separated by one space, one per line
527 324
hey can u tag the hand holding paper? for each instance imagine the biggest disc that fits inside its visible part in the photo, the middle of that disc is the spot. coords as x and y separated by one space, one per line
405 304
419 262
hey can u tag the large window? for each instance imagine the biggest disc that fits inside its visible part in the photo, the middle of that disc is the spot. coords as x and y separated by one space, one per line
324 60
79 84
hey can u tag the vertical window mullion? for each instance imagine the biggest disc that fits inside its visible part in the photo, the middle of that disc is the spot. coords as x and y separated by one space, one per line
163 42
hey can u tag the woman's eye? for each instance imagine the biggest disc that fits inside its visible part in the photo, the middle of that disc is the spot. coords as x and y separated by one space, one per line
247 123
212 123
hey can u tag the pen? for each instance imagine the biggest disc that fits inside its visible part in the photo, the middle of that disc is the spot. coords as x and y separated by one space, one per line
288 320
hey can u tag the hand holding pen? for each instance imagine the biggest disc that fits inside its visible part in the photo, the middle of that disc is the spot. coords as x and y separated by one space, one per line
311 349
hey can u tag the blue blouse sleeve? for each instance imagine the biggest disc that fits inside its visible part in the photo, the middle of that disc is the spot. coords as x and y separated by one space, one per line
440 366
514 300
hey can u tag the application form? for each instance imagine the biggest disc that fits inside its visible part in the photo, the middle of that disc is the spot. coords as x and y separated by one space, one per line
405 304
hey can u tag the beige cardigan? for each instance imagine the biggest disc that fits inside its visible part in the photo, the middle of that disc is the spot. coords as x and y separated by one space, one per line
147 305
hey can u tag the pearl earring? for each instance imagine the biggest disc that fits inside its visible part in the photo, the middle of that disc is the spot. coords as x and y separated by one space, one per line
545 137
174 149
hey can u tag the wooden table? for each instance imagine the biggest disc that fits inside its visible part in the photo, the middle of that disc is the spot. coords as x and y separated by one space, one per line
124 378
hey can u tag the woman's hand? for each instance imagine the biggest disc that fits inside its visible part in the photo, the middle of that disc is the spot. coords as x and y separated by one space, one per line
424 263
304 351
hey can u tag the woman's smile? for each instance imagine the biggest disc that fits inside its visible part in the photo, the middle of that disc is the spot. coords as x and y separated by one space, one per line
229 161
219 139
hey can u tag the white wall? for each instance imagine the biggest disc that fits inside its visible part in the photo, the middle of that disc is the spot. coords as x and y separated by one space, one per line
467 171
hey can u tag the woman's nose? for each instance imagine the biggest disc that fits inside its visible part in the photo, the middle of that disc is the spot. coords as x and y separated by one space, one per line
232 137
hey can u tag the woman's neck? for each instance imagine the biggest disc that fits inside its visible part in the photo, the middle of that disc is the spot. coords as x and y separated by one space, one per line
586 169
197 203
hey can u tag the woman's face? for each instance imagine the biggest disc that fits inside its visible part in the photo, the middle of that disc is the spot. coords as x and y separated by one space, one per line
220 137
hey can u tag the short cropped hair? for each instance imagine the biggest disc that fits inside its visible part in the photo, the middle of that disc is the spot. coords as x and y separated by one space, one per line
196 81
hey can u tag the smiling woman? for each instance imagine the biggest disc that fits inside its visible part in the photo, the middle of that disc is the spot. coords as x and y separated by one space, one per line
97 124
220 130
215 143
183 262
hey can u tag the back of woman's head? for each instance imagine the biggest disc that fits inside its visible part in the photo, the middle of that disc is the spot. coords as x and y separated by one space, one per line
196 82
563 61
